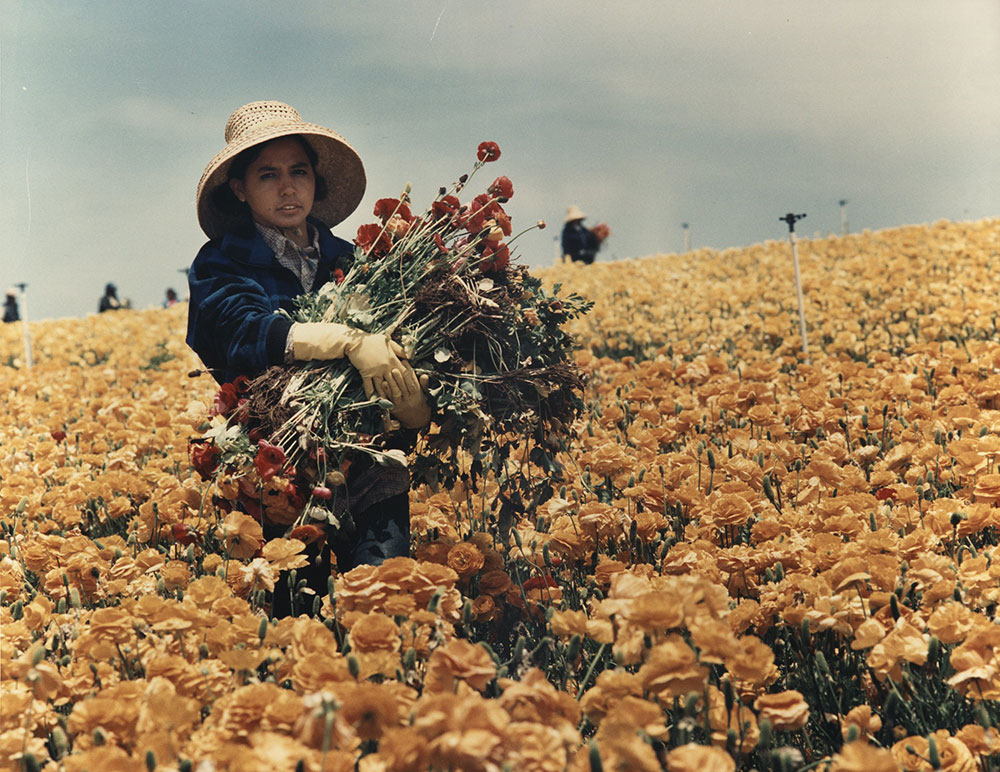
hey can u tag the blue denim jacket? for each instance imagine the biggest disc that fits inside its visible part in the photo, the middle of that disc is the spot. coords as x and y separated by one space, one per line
236 285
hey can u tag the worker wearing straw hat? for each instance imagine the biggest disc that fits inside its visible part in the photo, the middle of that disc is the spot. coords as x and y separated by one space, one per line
267 203
580 244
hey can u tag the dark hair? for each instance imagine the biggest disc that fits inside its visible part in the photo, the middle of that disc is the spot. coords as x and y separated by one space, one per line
225 200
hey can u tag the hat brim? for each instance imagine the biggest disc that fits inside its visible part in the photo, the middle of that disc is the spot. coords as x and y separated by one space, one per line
337 162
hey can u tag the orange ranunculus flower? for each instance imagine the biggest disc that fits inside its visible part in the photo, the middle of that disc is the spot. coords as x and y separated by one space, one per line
951 622
611 687
730 510
752 661
484 608
656 611
176 574
787 711
372 708
979 741
205 590
566 624
374 632
714 640
402 749
533 699
672 670
699 758
954 755
285 554
863 718
242 534
740 720
859 756
107 758
459 660
621 747
465 559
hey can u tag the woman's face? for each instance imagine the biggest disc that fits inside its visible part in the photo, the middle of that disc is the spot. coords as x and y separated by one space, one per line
279 186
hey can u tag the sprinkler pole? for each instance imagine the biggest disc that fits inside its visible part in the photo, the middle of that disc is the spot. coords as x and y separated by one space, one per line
687 237
791 219
24 324
843 216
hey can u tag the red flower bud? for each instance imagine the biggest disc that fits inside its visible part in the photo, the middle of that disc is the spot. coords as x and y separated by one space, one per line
322 492
59 435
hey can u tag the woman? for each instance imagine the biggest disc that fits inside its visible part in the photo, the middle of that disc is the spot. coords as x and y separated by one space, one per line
267 202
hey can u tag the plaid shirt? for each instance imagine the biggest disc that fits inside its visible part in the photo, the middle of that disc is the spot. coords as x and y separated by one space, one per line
301 261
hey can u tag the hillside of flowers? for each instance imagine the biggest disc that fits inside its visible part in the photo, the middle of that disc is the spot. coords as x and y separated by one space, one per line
749 556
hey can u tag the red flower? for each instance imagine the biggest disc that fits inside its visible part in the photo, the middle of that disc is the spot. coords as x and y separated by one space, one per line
478 212
338 275
601 231
502 187
502 220
226 400
58 435
269 459
387 207
446 206
495 259
537 582
488 151
373 240
885 493
308 534
242 384
184 533
204 458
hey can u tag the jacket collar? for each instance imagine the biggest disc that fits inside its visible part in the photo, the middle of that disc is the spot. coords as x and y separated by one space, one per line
245 244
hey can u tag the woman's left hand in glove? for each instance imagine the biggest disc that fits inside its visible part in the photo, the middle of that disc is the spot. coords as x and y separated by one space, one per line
406 392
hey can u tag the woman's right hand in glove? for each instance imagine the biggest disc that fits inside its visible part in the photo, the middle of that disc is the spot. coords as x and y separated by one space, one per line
377 358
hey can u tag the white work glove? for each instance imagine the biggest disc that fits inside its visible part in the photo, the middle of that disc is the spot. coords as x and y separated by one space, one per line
374 355
409 406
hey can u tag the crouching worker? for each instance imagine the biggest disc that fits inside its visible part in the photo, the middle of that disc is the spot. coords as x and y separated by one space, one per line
267 203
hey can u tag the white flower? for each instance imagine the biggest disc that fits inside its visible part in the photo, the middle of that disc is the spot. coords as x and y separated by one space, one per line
258 573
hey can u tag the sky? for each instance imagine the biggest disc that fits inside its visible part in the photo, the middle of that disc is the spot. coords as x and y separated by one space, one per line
647 115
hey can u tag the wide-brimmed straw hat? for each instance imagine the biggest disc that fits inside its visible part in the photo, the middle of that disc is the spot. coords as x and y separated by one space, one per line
574 213
257 122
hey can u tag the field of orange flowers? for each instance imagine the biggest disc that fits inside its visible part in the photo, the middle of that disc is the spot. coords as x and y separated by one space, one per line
752 558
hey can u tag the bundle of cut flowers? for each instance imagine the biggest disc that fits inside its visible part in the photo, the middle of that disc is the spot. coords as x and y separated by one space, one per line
484 332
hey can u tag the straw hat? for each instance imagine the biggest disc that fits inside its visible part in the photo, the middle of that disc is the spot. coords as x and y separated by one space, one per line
574 213
257 122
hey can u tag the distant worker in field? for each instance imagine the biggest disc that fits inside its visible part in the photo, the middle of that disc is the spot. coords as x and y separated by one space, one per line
580 244
171 299
109 300
10 312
